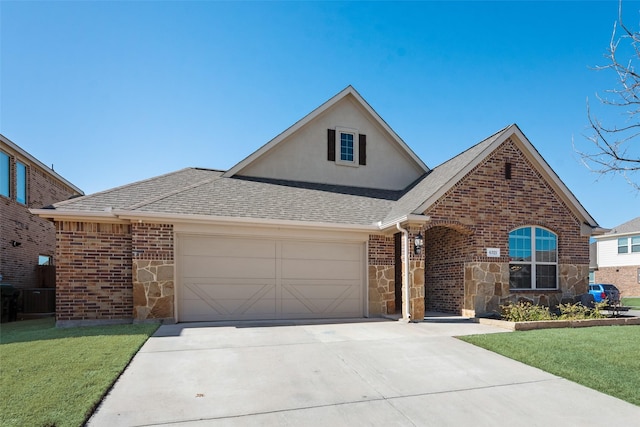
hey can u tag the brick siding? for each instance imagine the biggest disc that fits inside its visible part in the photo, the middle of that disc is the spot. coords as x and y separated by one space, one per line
625 279
94 280
36 235
488 206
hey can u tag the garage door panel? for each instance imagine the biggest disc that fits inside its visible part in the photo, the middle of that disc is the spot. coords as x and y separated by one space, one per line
320 289
242 279
321 298
228 300
321 251
226 267
321 269
201 312
320 308
227 288
229 247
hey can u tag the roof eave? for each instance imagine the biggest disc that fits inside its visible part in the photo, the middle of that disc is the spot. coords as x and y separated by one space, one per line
41 165
404 219
81 216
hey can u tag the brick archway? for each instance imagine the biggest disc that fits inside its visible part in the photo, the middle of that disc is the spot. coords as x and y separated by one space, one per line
447 246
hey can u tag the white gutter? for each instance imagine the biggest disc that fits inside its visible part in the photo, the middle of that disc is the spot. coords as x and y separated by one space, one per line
406 315
420 219
123 215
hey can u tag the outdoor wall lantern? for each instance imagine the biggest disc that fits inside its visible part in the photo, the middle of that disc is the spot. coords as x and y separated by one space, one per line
418 243
15 244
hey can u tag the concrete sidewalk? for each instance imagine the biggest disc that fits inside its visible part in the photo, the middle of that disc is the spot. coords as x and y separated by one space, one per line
354 373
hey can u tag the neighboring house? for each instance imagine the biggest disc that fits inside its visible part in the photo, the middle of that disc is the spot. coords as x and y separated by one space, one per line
26 239
324 221
616 258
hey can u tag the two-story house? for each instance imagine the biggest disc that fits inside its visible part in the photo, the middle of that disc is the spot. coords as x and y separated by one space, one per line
28 242
335 217
616 258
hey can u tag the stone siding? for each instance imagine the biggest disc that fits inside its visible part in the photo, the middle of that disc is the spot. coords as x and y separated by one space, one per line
416 276
153 271
381 275
93 272
484 206
487 287
625 278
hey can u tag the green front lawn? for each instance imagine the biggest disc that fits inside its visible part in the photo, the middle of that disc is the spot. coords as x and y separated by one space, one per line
604 358
56 376
631 302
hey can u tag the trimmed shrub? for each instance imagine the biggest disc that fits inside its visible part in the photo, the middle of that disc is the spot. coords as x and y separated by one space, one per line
525 312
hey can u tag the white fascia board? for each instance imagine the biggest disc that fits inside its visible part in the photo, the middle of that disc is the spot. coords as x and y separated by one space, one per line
131 216
607 235
69 215
349 90
411 218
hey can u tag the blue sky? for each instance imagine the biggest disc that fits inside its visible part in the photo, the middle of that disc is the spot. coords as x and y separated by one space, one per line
115 92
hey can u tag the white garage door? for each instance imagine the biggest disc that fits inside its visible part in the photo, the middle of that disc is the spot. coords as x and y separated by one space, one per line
226 278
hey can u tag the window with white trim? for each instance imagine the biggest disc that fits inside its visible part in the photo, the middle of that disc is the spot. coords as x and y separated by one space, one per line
629 244
347 147
623 246
533 258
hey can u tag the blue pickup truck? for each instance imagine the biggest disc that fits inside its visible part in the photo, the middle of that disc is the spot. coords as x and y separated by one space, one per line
602 291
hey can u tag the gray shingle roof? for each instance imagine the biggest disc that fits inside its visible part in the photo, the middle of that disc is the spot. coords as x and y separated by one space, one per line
138 192
232 197
206 192
627 227
437 179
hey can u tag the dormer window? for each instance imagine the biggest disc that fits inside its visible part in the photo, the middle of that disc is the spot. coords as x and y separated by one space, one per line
342 141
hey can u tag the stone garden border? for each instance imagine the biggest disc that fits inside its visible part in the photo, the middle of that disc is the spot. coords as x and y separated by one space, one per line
547 324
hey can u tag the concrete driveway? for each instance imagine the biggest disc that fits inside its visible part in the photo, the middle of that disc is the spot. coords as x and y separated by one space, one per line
358 373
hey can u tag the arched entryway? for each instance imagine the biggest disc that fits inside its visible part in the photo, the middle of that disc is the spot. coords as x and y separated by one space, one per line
447 246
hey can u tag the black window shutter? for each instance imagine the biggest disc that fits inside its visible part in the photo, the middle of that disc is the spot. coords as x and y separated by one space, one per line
362 149
331 145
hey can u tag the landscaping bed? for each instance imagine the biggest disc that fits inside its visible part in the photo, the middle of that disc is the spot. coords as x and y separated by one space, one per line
548 324
524 316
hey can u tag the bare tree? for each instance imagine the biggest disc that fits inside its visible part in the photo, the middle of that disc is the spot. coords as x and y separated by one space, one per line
616 149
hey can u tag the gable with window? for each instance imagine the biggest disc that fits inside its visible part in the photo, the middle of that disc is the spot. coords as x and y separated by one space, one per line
533 254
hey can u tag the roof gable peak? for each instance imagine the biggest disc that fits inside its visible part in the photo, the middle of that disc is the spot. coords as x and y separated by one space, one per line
348 91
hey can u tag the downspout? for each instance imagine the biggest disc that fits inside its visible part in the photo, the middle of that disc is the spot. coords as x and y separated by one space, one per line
406 315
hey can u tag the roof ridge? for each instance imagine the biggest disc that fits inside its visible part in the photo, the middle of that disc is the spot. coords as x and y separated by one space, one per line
172 193
375 193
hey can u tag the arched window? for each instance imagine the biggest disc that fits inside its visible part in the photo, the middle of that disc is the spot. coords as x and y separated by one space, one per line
533 258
